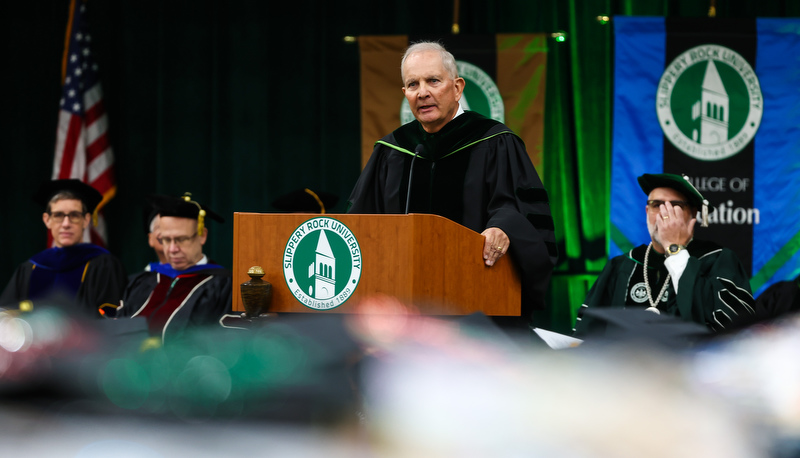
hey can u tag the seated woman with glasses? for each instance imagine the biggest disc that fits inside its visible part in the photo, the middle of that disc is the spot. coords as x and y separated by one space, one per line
83 277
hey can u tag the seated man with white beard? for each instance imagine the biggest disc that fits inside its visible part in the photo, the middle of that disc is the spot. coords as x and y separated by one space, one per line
695 280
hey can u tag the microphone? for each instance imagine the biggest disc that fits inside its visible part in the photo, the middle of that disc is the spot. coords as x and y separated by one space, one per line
417 151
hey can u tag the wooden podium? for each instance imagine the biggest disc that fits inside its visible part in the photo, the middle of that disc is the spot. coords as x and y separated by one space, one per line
423 260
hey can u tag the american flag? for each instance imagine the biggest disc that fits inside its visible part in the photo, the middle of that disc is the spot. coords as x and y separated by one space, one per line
83 150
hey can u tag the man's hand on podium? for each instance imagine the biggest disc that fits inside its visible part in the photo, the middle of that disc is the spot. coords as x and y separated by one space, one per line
495 245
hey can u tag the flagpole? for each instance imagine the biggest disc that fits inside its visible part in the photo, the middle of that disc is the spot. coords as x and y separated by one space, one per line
66 41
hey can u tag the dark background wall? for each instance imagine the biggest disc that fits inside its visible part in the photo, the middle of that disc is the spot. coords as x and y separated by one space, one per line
241 101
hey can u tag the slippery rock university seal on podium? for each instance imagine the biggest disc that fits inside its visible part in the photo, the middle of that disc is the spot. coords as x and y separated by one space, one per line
322 263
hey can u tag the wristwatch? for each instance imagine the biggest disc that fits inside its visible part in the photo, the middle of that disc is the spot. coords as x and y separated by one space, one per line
674 249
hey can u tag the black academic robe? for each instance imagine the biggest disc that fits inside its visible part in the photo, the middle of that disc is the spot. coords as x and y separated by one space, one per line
176 301
476 172
779 299
81 278
714 289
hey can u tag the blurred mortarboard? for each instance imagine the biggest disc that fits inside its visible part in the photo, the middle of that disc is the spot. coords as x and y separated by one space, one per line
305 201
87 194
650 181
183 207
641 325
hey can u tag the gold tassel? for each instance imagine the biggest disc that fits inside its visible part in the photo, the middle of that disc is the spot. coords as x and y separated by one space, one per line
201 222
201 214
704 214
316 197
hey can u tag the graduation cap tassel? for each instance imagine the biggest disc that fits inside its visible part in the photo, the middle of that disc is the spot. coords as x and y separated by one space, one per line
316 197
704 214
200 222
704 209
187 196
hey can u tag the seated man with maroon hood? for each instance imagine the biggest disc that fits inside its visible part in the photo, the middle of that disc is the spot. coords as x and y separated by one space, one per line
189 290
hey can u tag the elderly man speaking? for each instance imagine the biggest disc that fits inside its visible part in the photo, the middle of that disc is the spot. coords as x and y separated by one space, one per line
468 168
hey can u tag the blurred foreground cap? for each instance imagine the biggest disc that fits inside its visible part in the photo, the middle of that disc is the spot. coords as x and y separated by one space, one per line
645 326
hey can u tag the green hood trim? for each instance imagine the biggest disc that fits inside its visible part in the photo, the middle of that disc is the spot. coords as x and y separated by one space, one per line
412 153
461 133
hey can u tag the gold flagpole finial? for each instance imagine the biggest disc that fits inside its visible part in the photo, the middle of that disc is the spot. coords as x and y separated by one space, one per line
455 29
712 8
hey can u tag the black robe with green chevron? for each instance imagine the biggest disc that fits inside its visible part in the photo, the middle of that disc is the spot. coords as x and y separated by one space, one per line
714 289
474 171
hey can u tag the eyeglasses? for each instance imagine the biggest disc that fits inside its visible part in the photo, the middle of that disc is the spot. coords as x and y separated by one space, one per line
181 241
74 217
656 204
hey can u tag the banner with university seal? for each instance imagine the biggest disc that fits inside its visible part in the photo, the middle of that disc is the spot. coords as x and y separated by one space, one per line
504 74
717 100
